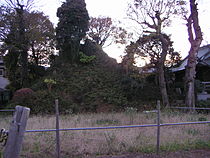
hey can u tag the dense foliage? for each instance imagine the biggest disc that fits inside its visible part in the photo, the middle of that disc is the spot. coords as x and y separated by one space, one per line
41 36
96 86
72 27
27 41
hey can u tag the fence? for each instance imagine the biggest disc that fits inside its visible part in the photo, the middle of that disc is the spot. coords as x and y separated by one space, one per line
189 108
206 86
7 110
17 129
16 132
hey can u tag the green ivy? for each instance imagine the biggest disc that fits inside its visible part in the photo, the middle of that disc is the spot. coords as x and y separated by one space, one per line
86 59
49 81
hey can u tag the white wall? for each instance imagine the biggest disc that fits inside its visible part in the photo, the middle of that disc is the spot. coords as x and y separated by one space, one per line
3 82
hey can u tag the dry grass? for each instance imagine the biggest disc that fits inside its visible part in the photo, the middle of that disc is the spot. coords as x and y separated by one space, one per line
112 141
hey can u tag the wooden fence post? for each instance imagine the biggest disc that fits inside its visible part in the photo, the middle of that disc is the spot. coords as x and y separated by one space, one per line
158 127
16 132
57 130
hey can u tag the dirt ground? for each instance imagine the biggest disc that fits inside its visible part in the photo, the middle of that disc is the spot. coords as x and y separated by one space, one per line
178 154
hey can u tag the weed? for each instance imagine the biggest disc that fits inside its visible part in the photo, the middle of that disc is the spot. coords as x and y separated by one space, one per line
132 149
150 116
107 122
147 149
113 141
110 139
122 146
193 132
36 147
202 119
200 144
192 118
170 147
131 112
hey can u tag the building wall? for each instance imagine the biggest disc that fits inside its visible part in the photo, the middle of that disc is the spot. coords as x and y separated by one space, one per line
3 80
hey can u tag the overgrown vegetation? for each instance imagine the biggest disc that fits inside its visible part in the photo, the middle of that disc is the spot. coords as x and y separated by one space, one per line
119 141
81 75
96 84
92 88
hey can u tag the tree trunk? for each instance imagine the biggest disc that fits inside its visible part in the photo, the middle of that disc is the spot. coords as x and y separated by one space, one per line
192 25
161 73
162 85
190 79
34 56
23 46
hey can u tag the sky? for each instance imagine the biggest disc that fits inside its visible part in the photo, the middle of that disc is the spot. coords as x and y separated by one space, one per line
116 9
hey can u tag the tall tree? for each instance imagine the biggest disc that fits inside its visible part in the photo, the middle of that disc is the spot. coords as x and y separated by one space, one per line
39 41
6 16
71 29
41 35
104 32
128 59
153 17
150 47
22 43
195 39
39 31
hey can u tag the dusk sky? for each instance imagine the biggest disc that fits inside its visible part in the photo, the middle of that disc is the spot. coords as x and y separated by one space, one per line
116 9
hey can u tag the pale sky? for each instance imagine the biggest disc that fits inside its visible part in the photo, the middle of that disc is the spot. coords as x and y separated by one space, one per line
116 9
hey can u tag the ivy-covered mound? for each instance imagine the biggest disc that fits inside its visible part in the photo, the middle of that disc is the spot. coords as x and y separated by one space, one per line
96 84
92 85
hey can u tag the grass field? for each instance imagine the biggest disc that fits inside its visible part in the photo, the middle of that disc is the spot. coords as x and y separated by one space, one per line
103 142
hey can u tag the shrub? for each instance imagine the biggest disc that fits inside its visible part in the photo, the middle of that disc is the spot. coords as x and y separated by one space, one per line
22 94
203 104
42 103
23 97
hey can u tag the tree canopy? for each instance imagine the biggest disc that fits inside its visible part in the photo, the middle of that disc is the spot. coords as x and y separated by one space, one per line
153 16
41 36
104 32
27 40
72 28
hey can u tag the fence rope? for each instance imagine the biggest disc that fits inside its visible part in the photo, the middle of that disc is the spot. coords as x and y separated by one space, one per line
116 127
7 110
189 108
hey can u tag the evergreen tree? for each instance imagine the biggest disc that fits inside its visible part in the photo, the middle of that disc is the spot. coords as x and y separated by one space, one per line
72 27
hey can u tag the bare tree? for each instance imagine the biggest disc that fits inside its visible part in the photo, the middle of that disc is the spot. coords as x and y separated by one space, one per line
195 39
153 17
103 31
20 7
26 4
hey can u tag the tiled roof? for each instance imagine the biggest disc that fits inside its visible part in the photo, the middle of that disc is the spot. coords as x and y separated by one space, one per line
203 57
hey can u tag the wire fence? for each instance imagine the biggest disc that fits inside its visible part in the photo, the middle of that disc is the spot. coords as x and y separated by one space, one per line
189 108
116 127
7 110
158 125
